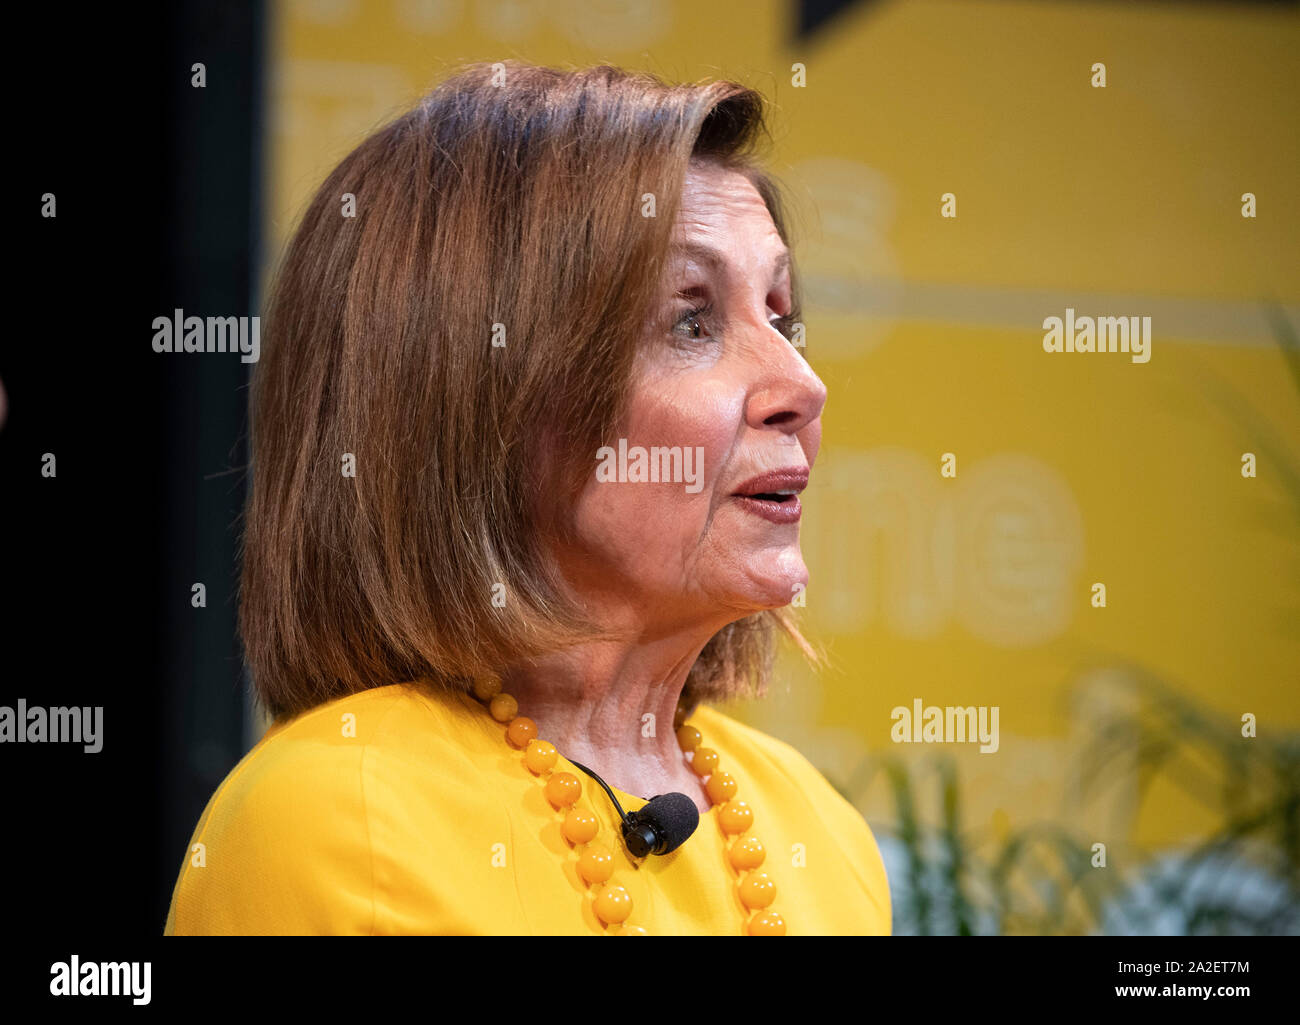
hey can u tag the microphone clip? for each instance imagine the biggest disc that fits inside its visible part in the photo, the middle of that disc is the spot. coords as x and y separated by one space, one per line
663 825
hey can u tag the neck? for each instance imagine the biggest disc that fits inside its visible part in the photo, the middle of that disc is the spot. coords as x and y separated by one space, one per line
594 702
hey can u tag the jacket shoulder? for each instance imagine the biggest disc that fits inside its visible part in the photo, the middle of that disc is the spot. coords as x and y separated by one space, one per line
284 844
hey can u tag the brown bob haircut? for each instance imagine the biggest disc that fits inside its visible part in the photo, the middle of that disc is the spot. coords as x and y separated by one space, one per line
510 195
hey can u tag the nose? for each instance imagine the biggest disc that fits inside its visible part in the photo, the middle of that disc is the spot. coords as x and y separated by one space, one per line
786 393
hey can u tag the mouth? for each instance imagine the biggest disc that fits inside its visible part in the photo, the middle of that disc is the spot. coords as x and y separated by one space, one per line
774 496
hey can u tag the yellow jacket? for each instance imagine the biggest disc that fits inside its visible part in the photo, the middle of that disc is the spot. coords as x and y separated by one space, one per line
398 811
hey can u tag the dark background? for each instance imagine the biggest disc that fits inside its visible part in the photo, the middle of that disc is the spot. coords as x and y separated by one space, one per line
156 184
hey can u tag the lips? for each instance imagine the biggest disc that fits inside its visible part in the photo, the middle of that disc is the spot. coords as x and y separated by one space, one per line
774 495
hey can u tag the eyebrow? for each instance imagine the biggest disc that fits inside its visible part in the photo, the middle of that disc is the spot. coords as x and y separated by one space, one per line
715 258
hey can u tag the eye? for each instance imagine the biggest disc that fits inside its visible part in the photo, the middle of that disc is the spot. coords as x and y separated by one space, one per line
693 322
785 324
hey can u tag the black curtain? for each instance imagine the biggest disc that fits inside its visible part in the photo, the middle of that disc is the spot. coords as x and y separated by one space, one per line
156 188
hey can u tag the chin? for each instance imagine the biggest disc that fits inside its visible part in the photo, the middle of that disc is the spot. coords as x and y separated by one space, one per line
775 578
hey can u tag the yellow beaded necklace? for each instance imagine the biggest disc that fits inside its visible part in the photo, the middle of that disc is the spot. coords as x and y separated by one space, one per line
612 904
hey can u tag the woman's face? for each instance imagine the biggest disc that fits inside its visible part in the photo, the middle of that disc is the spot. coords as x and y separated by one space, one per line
725 412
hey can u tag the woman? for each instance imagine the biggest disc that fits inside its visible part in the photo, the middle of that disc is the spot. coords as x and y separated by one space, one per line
528 438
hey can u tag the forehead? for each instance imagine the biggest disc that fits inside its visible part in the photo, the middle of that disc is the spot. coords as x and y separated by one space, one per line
720 205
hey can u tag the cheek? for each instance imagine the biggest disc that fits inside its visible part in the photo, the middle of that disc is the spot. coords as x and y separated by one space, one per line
665 520
706 418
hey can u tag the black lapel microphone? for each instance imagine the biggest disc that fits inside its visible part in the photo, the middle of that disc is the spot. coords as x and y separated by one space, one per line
663 825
